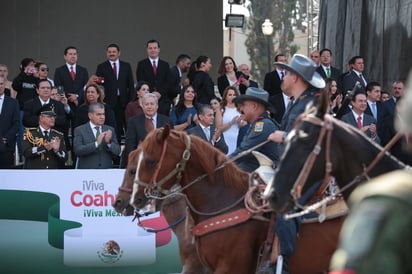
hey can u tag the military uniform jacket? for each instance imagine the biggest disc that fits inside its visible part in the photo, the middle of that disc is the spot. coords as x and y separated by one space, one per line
257 133
37 157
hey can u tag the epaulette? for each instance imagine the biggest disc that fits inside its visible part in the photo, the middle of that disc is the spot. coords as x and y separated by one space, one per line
56 131
31 128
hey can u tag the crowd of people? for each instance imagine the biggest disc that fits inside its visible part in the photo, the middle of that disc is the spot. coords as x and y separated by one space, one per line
179 94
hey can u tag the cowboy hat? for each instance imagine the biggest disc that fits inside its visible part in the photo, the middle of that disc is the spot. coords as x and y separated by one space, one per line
305 68
254 94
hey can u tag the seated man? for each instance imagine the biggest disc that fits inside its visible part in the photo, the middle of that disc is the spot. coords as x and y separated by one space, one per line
207 131
254 105
44 147
95 143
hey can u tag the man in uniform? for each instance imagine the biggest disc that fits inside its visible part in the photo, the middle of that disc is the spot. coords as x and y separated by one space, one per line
254 105
376 237
301 84
44 147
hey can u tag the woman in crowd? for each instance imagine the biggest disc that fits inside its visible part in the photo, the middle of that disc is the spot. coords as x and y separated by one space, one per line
93 94
135 107
184 115
228 74
202 82
215 104
42 71
227 118
335 96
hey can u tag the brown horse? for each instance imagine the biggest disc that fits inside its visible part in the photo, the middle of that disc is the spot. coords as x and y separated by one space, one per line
173 209
169 156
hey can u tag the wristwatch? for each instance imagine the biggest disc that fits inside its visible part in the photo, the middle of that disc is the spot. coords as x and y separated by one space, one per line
285 134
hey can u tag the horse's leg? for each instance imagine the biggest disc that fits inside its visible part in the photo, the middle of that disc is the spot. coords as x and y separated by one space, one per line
173 209
315 246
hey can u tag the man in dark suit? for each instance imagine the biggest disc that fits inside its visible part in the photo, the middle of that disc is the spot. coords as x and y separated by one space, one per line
207 131
280 103
183 63
355 75
72 77
359 119
139 125
9 126
246 82
95 143
118 85
273 79
326 70
43 146
32 107
155 71
374 107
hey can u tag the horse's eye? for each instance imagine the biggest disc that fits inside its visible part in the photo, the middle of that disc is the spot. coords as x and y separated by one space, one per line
132 172
302 134
151 163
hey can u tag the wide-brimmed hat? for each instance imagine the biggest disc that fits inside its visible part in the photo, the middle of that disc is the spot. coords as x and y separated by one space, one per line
254 94
305 68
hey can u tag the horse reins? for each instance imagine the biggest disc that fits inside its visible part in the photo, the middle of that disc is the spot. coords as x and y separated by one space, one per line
327 127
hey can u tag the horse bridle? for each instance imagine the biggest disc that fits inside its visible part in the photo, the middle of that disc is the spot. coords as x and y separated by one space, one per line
326 130
156 186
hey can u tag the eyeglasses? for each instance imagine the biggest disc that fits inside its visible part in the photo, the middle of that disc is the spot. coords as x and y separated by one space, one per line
44 69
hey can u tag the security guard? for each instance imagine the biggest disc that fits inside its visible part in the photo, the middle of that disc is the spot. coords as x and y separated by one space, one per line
254 105
44 147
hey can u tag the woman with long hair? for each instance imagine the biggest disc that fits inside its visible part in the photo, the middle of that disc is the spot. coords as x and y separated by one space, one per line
335 96
227 118
184 115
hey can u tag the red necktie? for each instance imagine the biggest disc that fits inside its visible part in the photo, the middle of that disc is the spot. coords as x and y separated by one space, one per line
359 120
115 69
72 73
149 124
154 68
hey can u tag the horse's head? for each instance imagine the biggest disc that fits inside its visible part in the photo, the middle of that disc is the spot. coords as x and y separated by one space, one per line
301 146
121 203
159 164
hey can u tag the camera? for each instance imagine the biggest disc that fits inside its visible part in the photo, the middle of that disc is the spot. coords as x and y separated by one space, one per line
60 90
100 80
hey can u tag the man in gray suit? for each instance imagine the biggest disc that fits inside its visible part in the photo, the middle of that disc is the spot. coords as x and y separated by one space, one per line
359 119
207 131
95 143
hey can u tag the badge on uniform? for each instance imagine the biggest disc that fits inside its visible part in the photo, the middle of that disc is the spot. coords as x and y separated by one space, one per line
258 127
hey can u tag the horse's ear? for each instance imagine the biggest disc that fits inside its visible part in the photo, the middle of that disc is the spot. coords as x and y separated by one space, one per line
323 103
165 132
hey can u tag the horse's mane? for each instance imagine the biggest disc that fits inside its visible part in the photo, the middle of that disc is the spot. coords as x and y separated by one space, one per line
208 157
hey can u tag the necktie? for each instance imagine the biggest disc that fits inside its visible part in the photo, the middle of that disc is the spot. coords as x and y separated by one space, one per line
290 103
359 121
46 135
374 112
115 69
154 68
72 73
97 132
149 124
362 80
328 72
207 133
282 74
